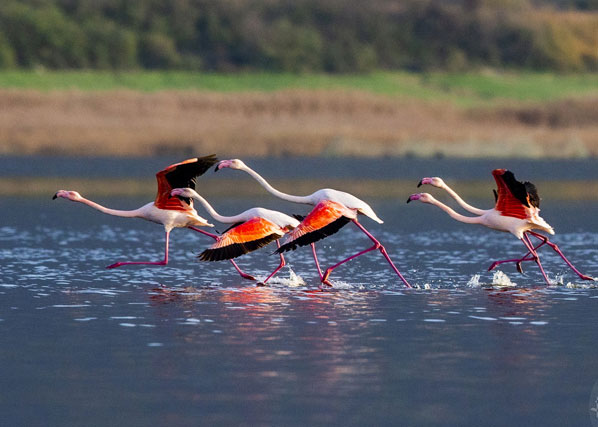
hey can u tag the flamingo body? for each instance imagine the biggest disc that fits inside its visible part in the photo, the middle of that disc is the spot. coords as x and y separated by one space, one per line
516 211
169 211
324 220
251 230
172 218
332 210
243 238
348 201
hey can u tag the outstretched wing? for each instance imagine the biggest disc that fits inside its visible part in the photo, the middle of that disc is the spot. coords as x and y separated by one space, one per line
324 220
180 175
242 238
515 198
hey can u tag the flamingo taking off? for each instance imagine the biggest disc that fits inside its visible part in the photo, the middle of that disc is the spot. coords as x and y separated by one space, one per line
333 210
251 230
169 211
516 211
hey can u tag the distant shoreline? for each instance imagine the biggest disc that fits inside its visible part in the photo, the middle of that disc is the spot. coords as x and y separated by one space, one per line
386 189
385 114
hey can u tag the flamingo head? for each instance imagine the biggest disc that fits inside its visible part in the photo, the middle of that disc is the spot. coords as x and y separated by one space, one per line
422 197
182 192
435 181
232 163
70 195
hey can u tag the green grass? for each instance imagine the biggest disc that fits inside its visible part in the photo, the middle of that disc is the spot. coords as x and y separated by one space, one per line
464 89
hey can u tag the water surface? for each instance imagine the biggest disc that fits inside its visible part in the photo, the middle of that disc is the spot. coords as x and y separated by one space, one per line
194 344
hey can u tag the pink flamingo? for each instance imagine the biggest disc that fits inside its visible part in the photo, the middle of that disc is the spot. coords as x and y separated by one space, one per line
251 230
169 211
333 209
516 211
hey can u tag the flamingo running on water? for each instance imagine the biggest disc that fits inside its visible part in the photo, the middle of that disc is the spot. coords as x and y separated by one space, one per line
516 211
251 230
333 210
169 211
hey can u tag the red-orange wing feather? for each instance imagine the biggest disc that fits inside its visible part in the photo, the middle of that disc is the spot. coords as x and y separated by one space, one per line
325 219
508 203
243 238
180 175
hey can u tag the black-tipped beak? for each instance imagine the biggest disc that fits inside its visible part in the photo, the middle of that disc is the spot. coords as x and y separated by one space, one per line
409 199
55 196
420 183
216 169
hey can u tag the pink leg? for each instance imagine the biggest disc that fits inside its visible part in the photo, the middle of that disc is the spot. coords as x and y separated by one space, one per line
282 264
558 251
377 245
215 237
163 262
199 230
527 257
526 241
313 251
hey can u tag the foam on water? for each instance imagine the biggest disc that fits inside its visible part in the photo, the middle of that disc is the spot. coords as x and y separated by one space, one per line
501 280
292 281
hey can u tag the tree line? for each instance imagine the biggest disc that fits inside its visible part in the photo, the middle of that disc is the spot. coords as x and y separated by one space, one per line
335 36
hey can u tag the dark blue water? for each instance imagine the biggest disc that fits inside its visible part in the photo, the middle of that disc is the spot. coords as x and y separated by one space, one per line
193 344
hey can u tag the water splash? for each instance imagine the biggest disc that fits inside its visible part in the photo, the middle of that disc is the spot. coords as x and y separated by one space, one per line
474 282
293 281
501 280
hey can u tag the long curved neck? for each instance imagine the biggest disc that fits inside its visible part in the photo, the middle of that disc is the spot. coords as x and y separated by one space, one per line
462 202
115 212
212 211
455 215
289 197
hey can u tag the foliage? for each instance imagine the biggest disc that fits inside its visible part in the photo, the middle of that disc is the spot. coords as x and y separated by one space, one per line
299 35
464 89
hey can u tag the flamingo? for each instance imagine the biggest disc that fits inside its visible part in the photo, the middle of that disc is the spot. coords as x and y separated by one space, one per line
516 211
333 210
169 211
251 230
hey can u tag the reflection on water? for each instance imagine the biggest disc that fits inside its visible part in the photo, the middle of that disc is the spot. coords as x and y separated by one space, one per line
193 344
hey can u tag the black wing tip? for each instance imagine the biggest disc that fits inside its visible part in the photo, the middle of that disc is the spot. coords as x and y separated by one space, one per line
521 190
532 192
209 158
185 175
236 249
291 246
315 235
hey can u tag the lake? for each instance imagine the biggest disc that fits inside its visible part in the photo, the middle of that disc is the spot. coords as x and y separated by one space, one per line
194 344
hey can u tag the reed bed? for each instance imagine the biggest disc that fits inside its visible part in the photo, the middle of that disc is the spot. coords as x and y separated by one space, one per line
289 122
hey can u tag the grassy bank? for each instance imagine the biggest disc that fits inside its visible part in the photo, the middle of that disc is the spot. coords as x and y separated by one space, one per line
462 89
383 114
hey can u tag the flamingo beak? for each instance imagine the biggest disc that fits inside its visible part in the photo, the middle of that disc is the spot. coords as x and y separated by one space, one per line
420 183
55 196
414 197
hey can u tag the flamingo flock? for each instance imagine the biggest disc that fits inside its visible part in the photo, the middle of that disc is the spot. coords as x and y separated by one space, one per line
516 211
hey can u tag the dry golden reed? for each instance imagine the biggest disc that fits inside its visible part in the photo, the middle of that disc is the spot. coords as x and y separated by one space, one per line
289 122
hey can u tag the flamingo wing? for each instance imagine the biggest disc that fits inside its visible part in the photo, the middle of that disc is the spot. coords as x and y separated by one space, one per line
242 238
324 220
514 198
180 175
